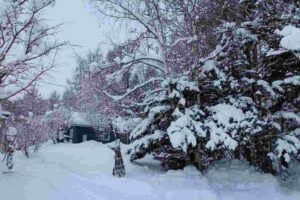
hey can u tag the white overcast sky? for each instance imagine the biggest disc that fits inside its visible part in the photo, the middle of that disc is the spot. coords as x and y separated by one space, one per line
81 29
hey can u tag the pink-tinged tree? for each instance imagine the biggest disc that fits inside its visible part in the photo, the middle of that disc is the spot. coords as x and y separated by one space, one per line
27 46
57 121
28 118
32 132
31 101
69 97
147 53
166 39
89 85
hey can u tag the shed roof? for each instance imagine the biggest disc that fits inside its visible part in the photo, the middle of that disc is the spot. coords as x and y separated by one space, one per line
79 119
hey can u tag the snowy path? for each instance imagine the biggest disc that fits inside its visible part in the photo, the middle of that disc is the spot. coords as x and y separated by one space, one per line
83 172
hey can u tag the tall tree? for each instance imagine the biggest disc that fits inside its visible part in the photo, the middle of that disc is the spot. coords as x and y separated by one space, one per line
237 101
53 100
27 46
150 51
32 102
32 132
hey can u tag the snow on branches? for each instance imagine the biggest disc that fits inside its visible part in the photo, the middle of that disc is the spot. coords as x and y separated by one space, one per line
27 46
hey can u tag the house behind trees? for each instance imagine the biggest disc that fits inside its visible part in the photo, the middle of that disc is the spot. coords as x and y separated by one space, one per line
81 130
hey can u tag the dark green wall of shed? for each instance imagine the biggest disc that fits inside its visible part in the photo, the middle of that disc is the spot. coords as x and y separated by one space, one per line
79 131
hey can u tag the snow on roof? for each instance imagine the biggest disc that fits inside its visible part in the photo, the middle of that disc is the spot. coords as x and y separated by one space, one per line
79 119
291 38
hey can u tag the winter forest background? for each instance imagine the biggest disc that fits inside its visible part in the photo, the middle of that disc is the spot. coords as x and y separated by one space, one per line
195 81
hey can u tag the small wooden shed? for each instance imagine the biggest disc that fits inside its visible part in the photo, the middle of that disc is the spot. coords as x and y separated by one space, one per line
80 130
78 133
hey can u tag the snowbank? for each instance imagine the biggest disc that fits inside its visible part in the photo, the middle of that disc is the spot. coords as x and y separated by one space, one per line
83 172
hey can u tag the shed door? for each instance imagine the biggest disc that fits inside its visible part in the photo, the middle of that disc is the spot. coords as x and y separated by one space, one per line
71 135
84 138
105 136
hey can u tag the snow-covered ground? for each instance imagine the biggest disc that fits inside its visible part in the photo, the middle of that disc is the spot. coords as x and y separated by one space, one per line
83 172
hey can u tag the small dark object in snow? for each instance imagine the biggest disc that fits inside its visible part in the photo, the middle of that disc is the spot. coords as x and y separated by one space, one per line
7 172
119 169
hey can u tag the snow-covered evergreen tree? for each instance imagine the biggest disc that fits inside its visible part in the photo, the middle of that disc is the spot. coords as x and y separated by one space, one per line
256 59
245 96
172 125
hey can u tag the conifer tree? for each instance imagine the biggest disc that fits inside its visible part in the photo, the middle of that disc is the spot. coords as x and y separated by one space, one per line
244 99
